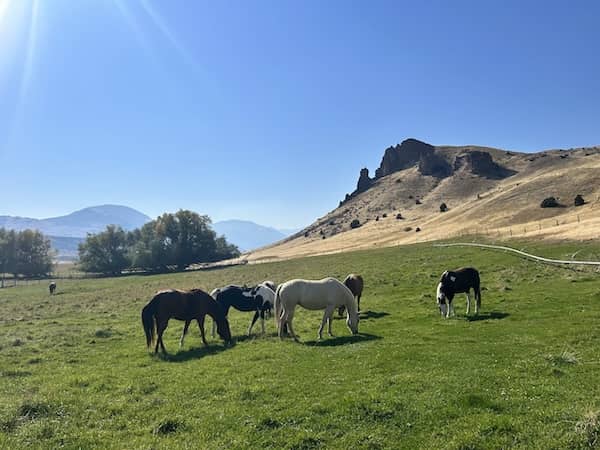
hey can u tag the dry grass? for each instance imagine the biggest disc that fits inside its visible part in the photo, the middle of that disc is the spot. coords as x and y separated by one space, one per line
497 209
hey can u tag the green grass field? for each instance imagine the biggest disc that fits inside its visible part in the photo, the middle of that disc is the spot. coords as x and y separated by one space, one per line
75 373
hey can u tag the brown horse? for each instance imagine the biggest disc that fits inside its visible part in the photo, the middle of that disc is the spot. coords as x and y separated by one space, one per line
355 284
181 305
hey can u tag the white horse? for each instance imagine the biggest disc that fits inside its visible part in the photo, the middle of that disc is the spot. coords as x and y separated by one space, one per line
327 294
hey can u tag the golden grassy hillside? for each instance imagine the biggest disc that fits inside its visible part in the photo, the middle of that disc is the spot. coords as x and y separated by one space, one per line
496 207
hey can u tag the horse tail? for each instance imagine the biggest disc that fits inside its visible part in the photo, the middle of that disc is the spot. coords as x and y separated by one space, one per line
277 306
148 321
477 290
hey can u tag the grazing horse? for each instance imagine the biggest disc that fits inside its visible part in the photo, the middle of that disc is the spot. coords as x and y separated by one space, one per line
259 299
181 305
52 287
355 284
455 282
326 294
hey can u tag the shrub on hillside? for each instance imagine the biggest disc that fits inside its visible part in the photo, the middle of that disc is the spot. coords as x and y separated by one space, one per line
443 207
354 224
549 202
579 200
399 216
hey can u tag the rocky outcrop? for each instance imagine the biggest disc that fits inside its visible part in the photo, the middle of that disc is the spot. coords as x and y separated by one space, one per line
430 162
402 156
434 165
364 181
481 163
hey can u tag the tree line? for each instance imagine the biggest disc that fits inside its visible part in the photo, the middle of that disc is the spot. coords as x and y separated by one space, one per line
171 242
27 253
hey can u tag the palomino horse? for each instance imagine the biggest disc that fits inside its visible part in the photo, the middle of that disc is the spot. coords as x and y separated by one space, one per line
259 299
455 282
181 305
355 284
326 294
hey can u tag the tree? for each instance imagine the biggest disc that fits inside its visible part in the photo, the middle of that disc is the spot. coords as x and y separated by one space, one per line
171 242
175 241
225 250
105 252
8 253
33 254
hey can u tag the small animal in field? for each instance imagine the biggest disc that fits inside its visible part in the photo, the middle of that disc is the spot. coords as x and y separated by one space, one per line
52 287
181 305
355 284
455 282
326 294
259 299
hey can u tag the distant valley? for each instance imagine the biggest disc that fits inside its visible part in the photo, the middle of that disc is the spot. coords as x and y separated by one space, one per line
67 232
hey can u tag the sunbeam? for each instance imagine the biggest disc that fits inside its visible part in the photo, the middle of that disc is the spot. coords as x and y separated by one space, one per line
165 30
134 26
3 9
29 59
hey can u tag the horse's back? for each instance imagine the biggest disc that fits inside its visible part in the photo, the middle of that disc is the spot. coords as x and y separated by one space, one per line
463 279
355 283
180 304
313 294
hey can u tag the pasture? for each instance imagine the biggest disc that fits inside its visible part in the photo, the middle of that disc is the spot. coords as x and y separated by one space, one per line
75 372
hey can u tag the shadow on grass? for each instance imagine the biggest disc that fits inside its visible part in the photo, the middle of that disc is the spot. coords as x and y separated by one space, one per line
372 315
493 315
192 353
364 315
343 340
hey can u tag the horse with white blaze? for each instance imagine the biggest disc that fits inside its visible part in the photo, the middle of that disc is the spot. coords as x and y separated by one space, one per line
455 282
326 294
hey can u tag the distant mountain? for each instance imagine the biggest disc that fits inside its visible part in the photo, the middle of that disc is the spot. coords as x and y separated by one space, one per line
288 231
80 223
248 235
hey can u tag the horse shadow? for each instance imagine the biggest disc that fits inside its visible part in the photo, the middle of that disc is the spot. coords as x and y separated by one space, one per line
343 340
364 315
372 315
192 353
492 315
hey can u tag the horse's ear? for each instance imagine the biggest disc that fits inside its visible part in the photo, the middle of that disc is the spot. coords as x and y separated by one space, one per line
444 275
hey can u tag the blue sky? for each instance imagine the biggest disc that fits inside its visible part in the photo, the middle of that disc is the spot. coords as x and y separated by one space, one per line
267 110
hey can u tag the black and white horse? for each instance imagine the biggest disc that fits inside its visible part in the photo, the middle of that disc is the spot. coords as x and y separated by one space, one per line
52 287
456 282
259 299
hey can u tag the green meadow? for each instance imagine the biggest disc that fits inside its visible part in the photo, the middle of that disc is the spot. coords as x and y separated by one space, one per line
525 373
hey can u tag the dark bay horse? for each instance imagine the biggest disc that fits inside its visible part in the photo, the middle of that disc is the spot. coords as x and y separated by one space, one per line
356 284
181 305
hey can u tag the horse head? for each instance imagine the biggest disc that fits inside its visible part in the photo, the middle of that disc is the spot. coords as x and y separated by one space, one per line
224 330
441 297
352 321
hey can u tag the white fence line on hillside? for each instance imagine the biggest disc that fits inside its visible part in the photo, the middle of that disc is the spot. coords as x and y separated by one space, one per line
519 252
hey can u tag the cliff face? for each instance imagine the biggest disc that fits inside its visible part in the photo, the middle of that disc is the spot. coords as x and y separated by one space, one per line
431 161
481 163
364 181
403 156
